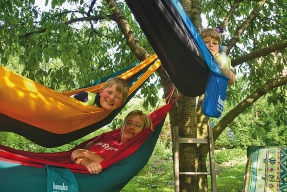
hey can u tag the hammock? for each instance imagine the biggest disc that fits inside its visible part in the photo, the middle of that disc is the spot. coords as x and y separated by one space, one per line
177 43
29 168
50 118
266 170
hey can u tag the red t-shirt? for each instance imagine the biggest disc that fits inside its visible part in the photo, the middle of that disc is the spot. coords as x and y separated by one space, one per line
107 146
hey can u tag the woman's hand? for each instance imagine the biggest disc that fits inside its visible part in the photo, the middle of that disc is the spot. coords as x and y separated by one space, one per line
79 153
92 166
88 159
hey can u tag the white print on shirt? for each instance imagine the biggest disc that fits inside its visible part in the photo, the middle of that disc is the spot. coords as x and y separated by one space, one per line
106 146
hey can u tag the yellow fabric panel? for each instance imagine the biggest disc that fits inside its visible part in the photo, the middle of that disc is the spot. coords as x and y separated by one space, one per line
125 75
42 107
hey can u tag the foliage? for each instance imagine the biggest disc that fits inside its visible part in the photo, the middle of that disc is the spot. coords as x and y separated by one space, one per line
256 126
66 47
252 35
84 51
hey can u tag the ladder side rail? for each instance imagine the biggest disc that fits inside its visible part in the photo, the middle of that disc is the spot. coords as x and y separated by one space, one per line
176 158
211 159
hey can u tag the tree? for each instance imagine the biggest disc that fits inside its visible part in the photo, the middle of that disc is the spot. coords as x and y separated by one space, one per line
93 39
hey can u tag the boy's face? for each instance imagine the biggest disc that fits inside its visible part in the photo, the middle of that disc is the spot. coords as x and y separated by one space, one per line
110 99
212 45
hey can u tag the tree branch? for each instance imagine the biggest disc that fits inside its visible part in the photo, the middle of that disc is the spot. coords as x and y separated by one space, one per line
90 18
230 13
91 7
232 114
124 26
259 53
245 24
42 30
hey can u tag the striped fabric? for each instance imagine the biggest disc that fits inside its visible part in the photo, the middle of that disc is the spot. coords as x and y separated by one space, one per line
266 170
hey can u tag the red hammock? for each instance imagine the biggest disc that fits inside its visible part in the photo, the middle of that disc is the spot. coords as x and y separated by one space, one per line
62 159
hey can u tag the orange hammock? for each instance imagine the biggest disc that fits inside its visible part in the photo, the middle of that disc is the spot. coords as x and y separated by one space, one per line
47 109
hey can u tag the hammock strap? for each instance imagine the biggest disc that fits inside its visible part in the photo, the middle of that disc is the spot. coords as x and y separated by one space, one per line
170 96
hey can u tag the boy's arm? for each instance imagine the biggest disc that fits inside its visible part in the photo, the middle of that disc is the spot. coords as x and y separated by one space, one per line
231 78
86 97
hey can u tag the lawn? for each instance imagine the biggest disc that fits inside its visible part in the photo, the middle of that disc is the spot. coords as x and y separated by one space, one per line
157 175
230 167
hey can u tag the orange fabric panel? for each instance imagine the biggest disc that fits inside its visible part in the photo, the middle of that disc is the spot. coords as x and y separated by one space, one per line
40 106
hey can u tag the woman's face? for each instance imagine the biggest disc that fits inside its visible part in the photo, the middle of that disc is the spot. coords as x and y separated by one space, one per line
132 127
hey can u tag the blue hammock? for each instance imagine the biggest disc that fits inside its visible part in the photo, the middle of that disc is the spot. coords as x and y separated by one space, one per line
177 43
182 52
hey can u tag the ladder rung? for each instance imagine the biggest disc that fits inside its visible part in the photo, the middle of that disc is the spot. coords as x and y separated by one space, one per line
192 140
194 173
176 143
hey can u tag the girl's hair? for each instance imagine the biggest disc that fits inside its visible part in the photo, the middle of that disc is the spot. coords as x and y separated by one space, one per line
121 86
146 120
209 32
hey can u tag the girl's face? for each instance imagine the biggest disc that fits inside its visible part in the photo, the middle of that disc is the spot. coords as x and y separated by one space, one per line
132 127
212 45
110 99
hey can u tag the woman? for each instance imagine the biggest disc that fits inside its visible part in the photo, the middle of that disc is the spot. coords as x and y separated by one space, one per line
96 151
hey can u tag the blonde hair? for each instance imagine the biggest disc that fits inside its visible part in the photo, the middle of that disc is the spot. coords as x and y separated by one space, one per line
146 120
209 32
121 86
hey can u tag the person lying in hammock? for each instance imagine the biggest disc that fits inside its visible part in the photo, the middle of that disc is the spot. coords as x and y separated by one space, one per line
95 152
111 96
211 38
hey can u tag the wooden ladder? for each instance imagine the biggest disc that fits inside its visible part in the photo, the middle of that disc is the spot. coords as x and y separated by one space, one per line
209 141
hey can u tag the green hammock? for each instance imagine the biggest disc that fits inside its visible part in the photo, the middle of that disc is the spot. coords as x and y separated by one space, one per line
17 176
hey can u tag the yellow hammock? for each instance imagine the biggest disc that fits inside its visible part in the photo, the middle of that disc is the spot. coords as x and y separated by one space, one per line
55 112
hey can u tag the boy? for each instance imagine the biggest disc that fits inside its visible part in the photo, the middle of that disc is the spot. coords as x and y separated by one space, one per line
111 96
212 40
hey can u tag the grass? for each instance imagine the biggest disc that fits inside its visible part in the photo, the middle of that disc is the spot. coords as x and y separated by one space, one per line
157 175
230 167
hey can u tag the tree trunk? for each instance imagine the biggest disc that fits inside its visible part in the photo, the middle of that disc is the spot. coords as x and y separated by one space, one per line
187 115
188 156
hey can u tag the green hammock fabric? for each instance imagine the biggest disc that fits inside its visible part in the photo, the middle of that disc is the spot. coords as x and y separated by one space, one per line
15 177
